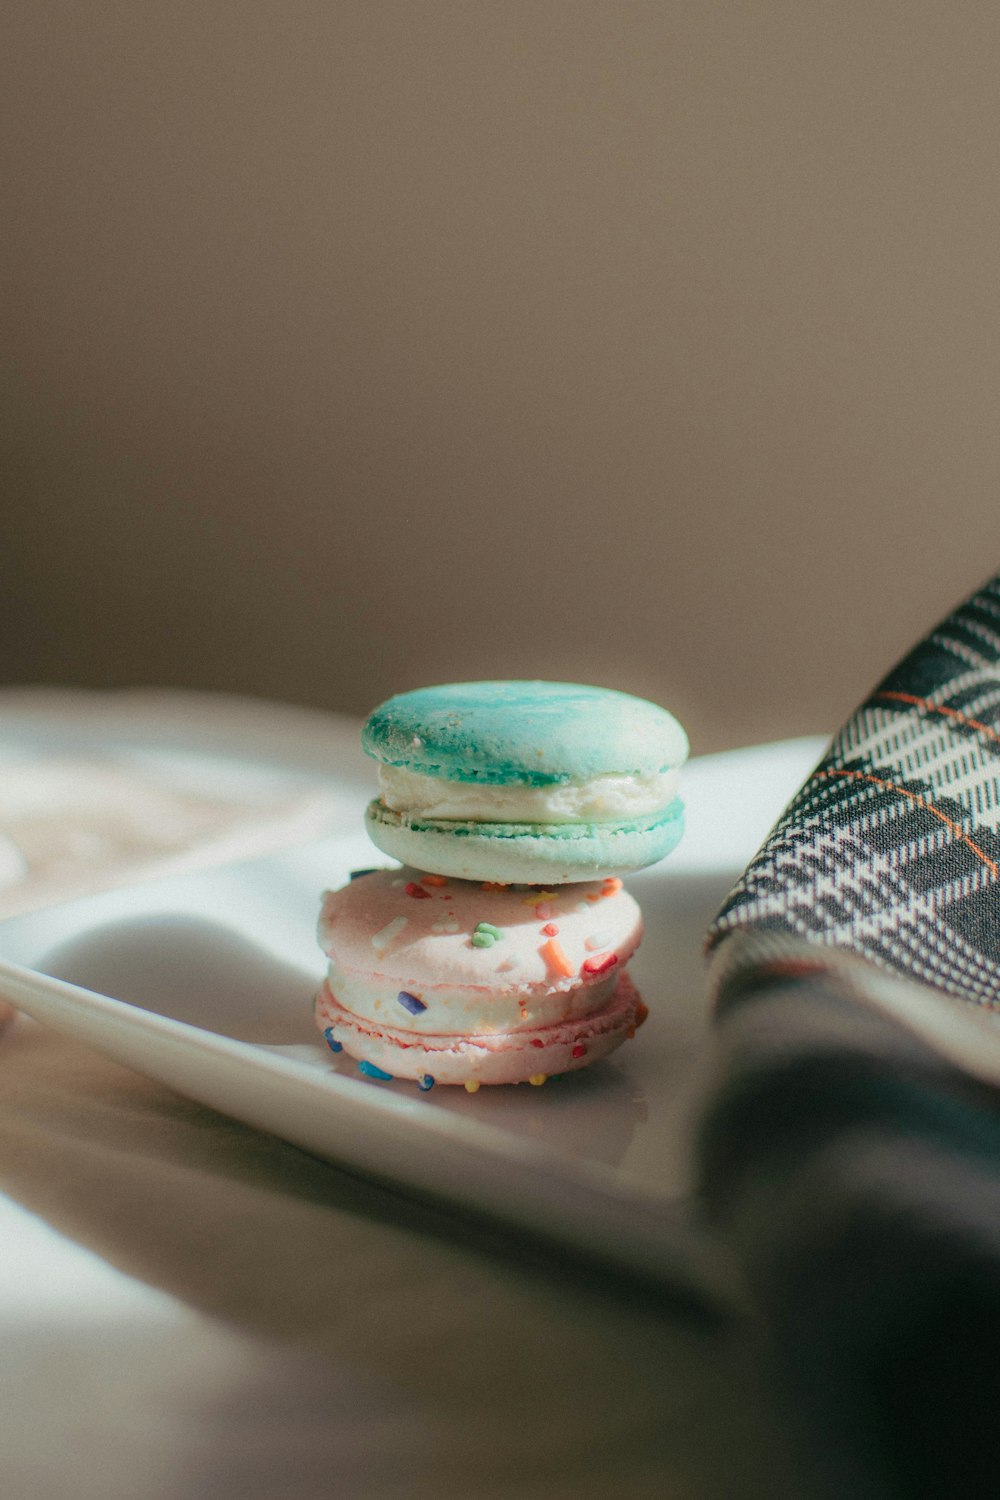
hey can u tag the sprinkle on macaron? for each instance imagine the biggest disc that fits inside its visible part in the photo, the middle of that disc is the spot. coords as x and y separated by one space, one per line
411 1002
369 1070
388 934
538 897
599 963
596 941
555 957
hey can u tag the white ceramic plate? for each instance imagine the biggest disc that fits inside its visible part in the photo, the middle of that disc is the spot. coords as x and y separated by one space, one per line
204 981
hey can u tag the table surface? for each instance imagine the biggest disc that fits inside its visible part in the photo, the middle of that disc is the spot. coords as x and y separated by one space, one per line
192 1308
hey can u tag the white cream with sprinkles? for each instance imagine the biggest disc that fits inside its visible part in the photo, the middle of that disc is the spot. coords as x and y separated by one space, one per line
467 1010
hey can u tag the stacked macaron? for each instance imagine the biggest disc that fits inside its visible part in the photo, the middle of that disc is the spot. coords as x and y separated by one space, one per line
498 953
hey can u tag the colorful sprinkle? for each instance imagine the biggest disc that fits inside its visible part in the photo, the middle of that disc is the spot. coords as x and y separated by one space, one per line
630 1033
371 1071
331 1040
412 1003
425 1084
579 1050
494 885
599 964
554 956
417 891
538 1079
486 935
610 886
433 880
641 1013
537 1042
544 910
597 940
388 933
537 896
550 930
357 874
593 896
472 1085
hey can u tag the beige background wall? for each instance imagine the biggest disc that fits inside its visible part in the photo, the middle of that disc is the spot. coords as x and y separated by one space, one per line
354 344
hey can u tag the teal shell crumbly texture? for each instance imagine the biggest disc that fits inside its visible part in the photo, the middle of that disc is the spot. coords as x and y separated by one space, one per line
523 733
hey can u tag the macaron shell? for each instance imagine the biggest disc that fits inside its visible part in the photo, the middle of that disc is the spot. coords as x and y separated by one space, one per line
514 1057
555 853
437 955
528 733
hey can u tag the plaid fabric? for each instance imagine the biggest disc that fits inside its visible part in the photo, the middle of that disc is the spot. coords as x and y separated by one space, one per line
850 1152
854 1173
891 850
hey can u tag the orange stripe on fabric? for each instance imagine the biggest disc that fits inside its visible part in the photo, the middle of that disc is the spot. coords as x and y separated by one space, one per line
891 786
936 708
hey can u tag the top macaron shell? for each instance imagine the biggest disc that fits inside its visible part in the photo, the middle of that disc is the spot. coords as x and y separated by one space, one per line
523 733
550 782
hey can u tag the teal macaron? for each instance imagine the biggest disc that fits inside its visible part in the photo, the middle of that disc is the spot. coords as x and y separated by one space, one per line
525 782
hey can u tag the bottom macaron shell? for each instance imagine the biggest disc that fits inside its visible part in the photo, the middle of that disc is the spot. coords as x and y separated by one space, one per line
526 853
508 1057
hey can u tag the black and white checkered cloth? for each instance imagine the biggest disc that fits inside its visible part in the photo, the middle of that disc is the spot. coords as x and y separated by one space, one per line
851 1151
891 850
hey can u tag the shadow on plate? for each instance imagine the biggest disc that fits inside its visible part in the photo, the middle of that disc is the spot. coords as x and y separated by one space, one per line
196 971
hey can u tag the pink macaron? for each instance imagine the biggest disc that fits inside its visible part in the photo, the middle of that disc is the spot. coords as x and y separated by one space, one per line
453 981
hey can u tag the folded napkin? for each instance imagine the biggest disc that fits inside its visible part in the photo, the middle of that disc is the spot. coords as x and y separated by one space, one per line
851 1150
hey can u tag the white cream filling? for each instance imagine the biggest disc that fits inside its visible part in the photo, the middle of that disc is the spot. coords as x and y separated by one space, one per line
471 1010
602 799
